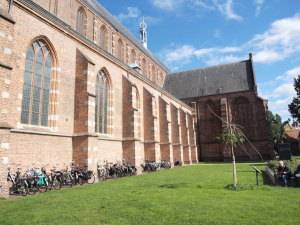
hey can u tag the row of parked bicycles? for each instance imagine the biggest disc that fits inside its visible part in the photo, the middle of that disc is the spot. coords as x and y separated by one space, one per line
39 180
151 166
109 170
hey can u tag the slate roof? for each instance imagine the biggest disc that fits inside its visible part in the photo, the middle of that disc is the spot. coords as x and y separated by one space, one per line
221 79
102 12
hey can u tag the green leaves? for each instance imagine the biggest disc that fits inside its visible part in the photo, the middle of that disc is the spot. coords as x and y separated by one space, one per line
294 107
232 136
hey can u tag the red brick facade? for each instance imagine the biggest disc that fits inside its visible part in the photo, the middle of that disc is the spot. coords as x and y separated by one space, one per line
138 125
245 109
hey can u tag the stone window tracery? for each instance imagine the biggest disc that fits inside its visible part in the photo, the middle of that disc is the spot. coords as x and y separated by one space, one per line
103 38
81 21
38 76
120 50
102 103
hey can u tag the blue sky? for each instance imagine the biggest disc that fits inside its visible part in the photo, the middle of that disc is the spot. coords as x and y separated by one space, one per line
187 34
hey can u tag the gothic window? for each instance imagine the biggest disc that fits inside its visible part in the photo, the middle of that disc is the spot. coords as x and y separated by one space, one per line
132 56
212 125
120 50
153 73
103 38
136 111
102 103
144 67
81 21
37 84
55 6
242 113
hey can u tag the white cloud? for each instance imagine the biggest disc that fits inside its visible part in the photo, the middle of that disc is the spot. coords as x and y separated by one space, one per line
277 43
227 10
284 33
289 75
223 60
292 73
280 41
225 7
280 91
167 4
132 12
285 89
258 4
183 54
267 56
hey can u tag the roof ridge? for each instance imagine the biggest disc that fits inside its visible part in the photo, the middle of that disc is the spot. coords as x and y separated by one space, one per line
209 67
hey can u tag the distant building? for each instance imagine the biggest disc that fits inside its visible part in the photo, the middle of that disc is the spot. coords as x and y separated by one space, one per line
230 92
292 136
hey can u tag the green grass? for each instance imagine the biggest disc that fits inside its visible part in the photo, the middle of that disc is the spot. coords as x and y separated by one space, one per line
189 195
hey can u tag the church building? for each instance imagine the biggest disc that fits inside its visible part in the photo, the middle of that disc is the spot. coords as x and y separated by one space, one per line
222 94
77 87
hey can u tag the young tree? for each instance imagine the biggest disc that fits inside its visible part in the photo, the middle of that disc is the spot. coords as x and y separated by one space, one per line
294 107
231 137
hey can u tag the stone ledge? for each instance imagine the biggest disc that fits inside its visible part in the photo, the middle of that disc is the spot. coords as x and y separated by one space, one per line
36 132
6 16
5 125
2 65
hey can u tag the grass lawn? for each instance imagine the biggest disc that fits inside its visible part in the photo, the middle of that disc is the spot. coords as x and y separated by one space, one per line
189 195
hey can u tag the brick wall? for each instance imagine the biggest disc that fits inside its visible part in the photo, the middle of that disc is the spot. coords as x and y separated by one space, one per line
254 126
72 135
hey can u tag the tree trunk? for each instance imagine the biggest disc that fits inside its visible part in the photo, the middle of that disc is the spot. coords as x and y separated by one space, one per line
234 169
233 160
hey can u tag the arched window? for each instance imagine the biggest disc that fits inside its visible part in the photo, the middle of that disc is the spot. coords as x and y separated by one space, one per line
211 123
37 84
242 114
136 111
103 38
102 102
120 50
153 73
132 56
81 21
144 67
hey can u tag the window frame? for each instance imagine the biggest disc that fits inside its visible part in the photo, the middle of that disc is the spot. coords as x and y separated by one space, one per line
37 46
103 118
81 22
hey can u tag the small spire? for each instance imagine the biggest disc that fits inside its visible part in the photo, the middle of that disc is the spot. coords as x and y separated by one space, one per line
143 33
10 5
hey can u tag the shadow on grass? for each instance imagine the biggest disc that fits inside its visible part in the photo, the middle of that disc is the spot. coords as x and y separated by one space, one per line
173 186
245 187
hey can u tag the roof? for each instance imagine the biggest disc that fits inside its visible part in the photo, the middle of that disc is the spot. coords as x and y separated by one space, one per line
293 134
227 78
102 12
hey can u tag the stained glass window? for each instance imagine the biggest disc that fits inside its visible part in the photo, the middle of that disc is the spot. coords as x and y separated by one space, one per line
102 103
36 87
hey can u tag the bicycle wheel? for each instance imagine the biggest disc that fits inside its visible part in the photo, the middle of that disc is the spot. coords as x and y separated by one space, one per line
42 189
91 179
56 184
